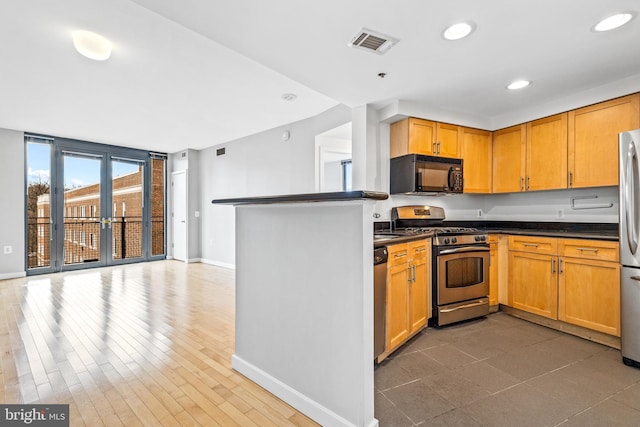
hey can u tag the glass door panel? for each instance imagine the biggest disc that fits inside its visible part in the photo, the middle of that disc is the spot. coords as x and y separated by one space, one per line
82 226
127 200
39 220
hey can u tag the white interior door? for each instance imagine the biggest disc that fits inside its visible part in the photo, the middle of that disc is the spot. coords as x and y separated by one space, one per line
179 214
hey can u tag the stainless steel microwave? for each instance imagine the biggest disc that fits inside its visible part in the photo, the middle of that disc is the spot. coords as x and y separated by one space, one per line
418 174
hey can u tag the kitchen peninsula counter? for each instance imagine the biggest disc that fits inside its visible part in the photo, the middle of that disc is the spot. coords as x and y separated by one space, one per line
304 301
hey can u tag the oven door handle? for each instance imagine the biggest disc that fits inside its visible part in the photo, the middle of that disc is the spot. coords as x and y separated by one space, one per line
465 249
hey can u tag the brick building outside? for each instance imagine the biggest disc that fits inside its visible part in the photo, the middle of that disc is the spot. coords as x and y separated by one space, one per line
82 220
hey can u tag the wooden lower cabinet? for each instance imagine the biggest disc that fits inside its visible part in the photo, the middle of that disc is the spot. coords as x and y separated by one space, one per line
533 283
578 284
408 284
589 285
397 327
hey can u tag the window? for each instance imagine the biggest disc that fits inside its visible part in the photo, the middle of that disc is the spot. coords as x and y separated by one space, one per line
75 211
346 175
124 209
82 241
83 211
114 209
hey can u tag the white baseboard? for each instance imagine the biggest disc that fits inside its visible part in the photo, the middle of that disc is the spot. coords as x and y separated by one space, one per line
314 410
15 275
218 263
192 260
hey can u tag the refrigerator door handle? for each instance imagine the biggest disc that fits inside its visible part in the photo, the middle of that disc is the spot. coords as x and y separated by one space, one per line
636 278
630 190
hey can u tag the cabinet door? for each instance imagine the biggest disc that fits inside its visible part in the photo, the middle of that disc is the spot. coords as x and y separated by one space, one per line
589 294
475 149
593 140
422 136
509 148
397 329
493 270
547 153
419 295
533 283
447 140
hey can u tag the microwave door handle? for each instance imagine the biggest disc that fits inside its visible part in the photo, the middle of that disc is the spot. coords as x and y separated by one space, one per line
631 204
418 184
449 179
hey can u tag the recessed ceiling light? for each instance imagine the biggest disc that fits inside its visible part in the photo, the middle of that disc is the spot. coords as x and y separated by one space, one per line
289 96
518 84
613 22
458 31
92 45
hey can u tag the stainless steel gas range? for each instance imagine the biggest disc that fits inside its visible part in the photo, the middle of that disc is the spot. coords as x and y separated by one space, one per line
460 263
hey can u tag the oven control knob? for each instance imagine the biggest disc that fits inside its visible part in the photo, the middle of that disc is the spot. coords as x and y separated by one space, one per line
483 238
454 240
477 238
446 240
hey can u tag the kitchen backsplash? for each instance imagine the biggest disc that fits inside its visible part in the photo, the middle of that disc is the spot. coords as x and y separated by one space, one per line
589 205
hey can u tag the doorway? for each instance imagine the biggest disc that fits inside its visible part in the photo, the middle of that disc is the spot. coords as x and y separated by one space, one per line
92 205
179 214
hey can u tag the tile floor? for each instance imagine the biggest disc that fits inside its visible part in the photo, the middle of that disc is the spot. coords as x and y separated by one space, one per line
504 371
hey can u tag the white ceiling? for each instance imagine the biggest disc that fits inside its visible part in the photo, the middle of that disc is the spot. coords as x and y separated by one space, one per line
196 73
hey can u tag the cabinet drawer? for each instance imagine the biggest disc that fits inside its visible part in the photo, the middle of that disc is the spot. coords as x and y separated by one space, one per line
398 254
589 249
419 249
493 238
533 244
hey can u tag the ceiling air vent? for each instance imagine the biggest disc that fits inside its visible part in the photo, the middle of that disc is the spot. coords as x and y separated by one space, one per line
372 41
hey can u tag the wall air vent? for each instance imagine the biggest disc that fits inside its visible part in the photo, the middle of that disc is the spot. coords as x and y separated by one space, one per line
372 41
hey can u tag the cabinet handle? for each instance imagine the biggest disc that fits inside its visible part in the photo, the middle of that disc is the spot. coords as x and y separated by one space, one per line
434 148
553 265
570 176
414 273
560 265
595 250
535 245
410 279
439 147
527 183
400 255
521 183
419 250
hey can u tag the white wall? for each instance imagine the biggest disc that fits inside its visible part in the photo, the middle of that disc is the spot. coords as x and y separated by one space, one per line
12 203
258 165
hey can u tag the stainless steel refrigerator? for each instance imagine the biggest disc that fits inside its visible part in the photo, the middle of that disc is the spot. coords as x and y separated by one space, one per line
630 246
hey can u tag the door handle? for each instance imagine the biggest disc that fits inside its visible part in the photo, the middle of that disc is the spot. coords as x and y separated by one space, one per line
560 266
553 265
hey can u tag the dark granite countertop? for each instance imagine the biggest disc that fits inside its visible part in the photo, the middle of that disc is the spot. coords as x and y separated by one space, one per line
309 197
570 230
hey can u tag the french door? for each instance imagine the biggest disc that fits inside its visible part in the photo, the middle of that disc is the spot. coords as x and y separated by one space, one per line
104 206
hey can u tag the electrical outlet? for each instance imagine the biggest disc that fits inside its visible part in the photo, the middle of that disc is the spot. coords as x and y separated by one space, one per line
479 213
8 250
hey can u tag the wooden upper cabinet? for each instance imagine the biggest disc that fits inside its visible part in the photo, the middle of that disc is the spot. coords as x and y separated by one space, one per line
447 140
418 136
475 150
412 136
547 153
593 140
509 149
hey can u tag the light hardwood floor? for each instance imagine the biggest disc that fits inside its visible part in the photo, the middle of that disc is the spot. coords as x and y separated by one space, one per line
143 344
